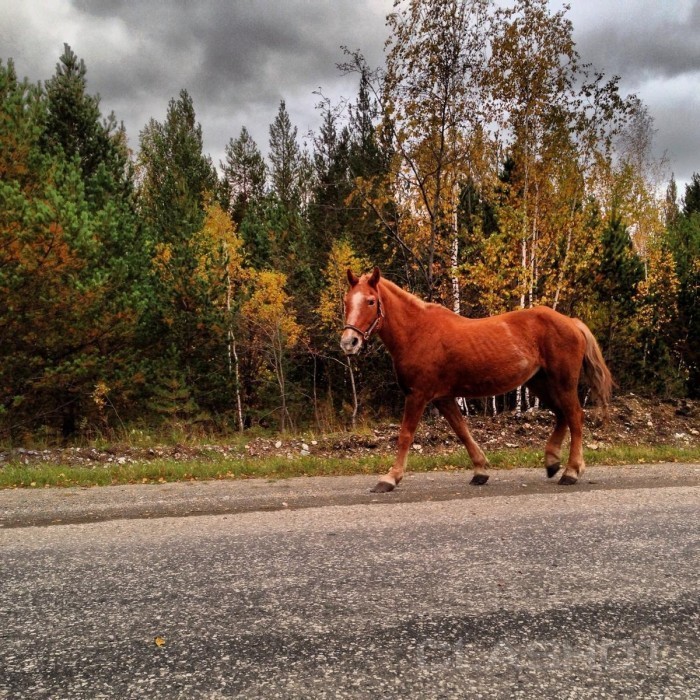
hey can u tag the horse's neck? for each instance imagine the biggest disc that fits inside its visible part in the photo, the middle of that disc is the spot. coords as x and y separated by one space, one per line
401 314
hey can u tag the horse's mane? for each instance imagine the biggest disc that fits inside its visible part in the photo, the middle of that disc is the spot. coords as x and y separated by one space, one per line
405 296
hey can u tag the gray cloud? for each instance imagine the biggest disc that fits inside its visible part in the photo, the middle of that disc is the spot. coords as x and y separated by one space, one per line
655 49
640 50
239 58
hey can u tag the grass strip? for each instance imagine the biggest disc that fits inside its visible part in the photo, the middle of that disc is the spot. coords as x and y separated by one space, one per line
37 475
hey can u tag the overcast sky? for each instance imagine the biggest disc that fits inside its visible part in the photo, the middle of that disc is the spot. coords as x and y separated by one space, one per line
239 58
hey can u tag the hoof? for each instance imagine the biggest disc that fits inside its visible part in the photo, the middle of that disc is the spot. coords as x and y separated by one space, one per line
479 479
382 487
567 480
552 469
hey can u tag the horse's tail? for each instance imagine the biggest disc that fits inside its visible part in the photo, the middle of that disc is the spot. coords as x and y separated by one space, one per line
595 370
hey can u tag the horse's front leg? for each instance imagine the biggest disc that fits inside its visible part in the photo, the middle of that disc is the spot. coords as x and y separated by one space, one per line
415 405
450 411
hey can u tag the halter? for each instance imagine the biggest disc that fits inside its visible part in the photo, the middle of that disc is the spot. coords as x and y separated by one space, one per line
368 333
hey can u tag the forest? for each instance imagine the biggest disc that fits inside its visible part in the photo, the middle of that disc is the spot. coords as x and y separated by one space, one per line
483 166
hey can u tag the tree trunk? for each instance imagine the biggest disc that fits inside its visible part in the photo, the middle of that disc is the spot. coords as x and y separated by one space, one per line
278 355
232 355
354 395
316 416
456 305
237 379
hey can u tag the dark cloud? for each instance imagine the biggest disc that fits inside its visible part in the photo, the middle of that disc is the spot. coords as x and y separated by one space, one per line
655 49
638 52
239 58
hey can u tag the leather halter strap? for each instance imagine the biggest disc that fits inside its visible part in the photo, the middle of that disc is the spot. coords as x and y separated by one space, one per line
366 335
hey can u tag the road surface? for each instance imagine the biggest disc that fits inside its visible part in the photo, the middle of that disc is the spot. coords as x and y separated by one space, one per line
316 588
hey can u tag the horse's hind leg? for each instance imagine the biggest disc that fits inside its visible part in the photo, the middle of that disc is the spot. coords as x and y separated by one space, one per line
552 451
573 412
452 414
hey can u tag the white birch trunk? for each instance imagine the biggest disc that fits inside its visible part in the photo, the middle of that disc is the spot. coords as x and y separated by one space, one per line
491 405
237 379
233 355
456 306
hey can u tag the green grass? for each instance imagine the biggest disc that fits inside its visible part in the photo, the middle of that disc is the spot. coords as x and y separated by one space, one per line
18 475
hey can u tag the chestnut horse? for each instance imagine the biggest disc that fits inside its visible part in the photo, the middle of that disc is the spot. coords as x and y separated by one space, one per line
439 355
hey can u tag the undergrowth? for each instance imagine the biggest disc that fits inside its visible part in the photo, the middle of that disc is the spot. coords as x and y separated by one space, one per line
15 474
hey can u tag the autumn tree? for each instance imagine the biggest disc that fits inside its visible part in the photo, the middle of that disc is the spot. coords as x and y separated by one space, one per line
331 308
272 332
656 319
432 108
221 277
555 120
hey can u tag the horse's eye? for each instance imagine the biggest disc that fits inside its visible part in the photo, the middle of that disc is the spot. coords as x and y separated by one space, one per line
370 302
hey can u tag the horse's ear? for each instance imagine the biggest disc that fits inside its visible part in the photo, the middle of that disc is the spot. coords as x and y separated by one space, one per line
352 279
374 279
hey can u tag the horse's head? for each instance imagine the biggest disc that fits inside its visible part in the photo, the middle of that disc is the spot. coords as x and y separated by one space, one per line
363 311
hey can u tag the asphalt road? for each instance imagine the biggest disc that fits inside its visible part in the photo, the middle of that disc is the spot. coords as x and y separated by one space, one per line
316 588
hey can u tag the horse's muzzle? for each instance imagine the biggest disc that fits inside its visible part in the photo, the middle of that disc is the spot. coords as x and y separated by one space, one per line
350 342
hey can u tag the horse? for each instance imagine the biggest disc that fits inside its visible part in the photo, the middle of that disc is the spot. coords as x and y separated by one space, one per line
440 356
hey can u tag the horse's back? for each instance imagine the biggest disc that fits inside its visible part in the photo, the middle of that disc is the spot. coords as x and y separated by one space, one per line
449 355
540 333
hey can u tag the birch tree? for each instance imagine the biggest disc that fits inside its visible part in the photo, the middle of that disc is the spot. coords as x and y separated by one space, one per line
331 310
272 329
430 103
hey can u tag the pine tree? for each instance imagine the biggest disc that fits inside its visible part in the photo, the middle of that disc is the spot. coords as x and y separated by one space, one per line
71 294
368 167
245 174
73 117
177 181
329 216
683 241
617 282
286 218
176 177
285 157
691 200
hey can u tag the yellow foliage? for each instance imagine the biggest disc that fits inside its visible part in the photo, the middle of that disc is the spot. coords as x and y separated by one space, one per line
269 309
161 260
658 293
99 395
219 242
342 257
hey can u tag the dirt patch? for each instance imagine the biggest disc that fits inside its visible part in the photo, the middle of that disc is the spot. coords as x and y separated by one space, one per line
632 421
